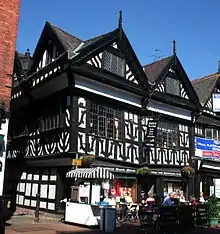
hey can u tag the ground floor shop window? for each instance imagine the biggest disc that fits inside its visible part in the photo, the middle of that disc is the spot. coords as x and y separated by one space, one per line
37 181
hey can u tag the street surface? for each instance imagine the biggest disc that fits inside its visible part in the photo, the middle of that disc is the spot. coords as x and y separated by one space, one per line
26 225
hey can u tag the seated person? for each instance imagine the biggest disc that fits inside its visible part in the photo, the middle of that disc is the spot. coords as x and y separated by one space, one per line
182 198
168 201
128 199
150 201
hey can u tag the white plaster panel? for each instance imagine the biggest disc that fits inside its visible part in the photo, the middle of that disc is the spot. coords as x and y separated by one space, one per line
51 206
33 203
43 205
52 192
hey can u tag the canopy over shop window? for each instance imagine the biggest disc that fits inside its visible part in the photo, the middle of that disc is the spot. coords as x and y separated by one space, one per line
93 173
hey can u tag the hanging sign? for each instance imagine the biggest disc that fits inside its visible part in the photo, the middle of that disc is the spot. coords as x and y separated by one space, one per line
151 133
216 102
76 162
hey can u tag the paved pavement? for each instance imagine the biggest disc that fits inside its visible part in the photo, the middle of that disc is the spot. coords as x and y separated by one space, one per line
26 225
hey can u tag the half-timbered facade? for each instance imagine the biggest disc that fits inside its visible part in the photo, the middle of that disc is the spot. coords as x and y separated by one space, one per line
93 97
207 132
175 103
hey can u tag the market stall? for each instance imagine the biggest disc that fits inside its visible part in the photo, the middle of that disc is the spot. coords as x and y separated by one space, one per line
93 188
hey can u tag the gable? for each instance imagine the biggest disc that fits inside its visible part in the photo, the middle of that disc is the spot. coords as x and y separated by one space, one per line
174 82
51 44
112 60
48 55
209 104
172 86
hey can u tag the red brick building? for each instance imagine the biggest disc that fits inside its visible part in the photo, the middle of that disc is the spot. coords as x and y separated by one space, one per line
9 15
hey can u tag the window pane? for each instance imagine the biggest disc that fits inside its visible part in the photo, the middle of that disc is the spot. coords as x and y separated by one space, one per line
208 133
167 135
113 63
215 134
172 86
105 122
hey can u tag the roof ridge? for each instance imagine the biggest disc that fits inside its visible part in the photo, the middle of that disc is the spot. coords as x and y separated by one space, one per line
205 77
157 61
97 37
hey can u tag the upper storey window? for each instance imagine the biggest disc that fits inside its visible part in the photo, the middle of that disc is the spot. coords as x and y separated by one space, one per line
113 63
172 86
167 135
211 133
105 122
49 56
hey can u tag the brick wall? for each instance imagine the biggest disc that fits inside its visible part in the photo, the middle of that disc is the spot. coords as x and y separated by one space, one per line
9 15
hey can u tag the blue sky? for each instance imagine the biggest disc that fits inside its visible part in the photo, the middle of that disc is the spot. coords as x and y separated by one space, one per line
149 25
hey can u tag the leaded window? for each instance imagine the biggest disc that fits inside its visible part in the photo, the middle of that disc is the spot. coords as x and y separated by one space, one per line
113 63
172 86
167 135
212 133
105 122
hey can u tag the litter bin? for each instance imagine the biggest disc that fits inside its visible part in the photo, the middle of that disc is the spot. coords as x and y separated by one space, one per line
102 218
110 219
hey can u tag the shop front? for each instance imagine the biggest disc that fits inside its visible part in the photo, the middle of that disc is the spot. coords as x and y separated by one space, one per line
208 167
94 187
162 181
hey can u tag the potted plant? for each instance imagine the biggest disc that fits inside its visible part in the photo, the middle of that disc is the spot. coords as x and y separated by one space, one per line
143 171
87 160
213 211
187 171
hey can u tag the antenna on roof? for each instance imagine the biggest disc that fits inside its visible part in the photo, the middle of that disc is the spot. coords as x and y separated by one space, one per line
27 53
120 24
174 47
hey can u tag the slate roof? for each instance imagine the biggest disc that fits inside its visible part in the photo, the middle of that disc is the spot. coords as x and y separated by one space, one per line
204 86
153 70
69 42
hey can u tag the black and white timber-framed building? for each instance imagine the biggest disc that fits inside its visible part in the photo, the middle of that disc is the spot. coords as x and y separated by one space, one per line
93 97
207 129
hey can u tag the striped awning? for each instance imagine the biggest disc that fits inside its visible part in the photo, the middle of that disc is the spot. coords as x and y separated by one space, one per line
92 173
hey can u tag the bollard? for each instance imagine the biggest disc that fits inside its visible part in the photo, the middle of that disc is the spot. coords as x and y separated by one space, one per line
37 209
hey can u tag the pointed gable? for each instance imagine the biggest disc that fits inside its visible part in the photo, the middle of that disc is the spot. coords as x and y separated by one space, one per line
114 55
204 88
52 43
22 64
167 77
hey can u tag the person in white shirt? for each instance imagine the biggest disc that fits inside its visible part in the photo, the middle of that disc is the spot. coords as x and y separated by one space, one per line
201 198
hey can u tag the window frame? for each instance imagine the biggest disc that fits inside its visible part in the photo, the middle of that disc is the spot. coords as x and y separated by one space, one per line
171 79
165 132
101 117
119 59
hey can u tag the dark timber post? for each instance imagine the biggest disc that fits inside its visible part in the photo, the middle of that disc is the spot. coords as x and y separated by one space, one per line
2 216
37 208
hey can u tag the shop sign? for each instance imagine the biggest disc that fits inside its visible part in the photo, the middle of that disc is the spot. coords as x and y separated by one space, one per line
76 162
207 148
216 102
151 133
